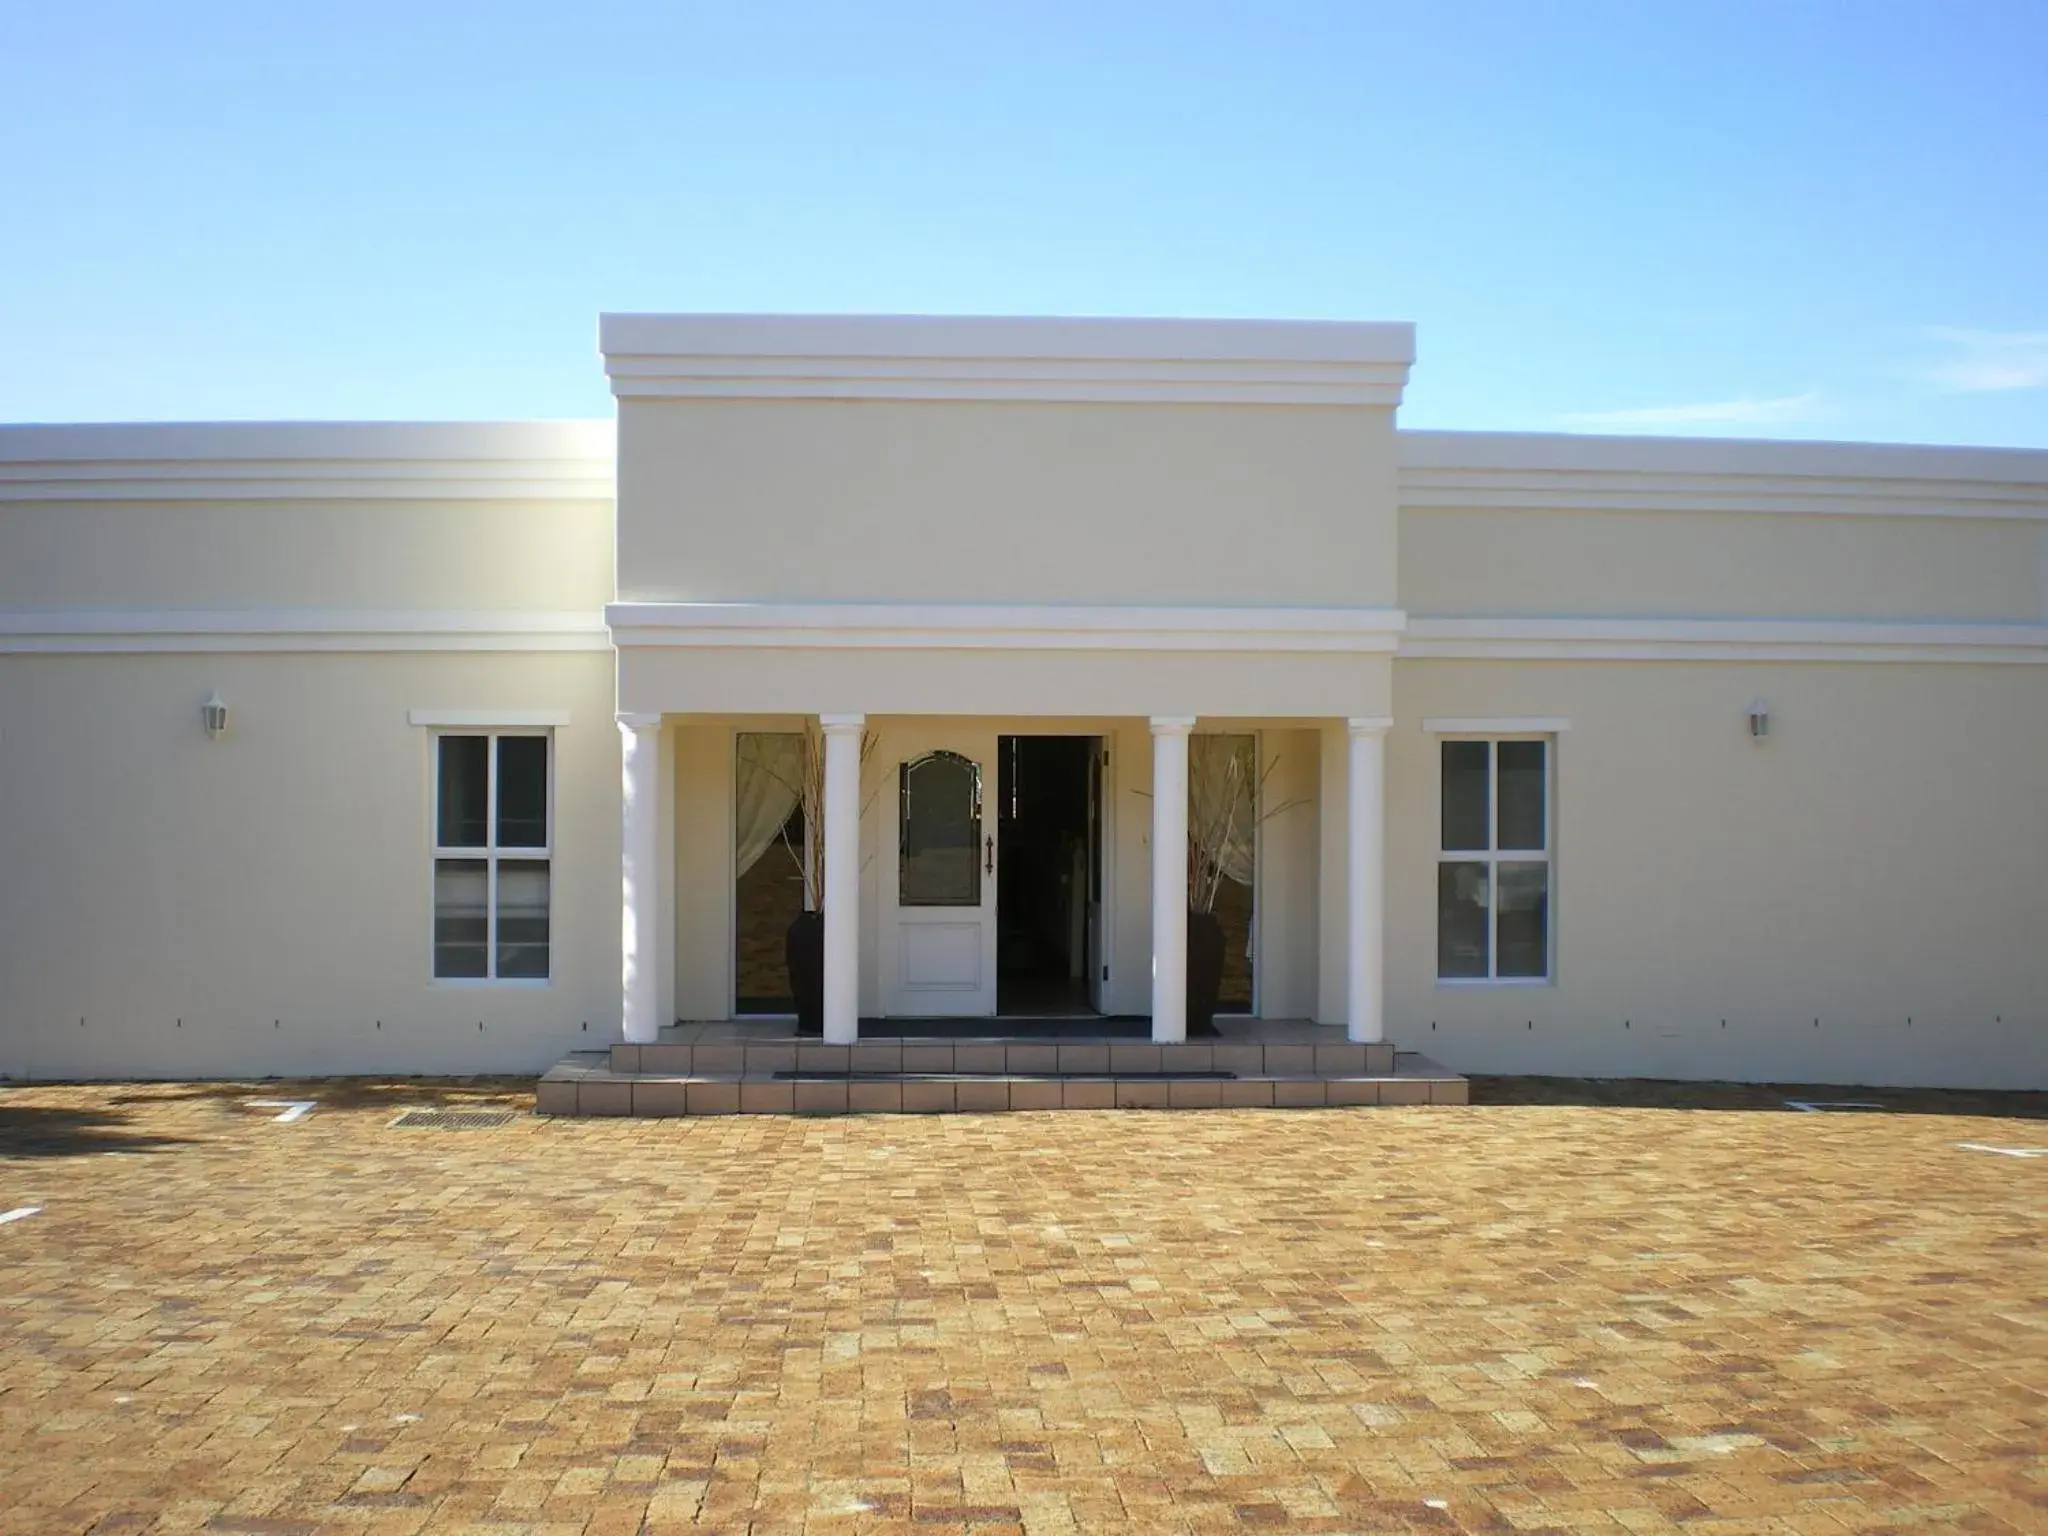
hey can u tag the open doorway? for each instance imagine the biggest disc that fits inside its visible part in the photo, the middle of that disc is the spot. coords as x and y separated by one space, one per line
1049 863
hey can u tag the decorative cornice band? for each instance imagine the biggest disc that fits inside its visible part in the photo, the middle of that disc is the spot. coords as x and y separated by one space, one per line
1643 639
297 461
886 626
168 631
1560 472
932 357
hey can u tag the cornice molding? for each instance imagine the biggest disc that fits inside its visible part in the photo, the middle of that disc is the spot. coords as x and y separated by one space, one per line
170 631
293 461
941 357
1536 472
1432 638
887 626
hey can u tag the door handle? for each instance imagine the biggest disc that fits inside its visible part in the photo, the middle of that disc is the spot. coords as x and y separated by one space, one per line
989 855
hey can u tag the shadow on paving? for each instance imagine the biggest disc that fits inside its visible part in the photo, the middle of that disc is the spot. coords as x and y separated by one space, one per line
1651 1093
333 1093
32 1130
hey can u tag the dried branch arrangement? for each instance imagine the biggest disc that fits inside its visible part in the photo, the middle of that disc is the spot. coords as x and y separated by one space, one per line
806 783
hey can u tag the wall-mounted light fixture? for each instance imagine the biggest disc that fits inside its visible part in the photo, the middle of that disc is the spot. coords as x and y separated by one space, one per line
1759 719
213 714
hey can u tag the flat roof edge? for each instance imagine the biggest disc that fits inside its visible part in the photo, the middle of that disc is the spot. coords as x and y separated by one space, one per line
1028 337
225 442
1536 453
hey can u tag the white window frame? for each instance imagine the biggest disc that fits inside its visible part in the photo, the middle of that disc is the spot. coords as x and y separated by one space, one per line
1493 855
489 852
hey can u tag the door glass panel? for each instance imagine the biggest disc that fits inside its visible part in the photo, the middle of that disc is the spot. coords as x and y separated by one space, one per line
939 832
1466 820
462 917
464 819
1524 919
522 792
1521 794
1461 920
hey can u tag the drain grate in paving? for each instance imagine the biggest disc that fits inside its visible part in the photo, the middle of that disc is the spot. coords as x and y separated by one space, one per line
452 1119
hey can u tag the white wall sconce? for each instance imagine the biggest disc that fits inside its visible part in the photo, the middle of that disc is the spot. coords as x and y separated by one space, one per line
1759 719
213 714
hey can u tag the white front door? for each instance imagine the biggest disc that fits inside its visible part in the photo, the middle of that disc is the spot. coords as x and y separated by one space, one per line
938 875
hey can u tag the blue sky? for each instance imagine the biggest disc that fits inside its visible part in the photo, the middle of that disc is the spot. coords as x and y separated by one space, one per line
1783 219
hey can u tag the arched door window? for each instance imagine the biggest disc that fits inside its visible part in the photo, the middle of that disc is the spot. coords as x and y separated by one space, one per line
939 832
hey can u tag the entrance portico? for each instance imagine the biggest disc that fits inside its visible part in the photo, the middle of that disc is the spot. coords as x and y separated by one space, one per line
910 886
911 540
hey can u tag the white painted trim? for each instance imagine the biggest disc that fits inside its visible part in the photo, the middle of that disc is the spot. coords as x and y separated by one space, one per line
336 461
491 853
1493 856
1559 471
142 631
488 719
1649 639
891 626
944 357
1505 725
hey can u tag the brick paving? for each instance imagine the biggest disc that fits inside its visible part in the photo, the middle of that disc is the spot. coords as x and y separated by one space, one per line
1569 1307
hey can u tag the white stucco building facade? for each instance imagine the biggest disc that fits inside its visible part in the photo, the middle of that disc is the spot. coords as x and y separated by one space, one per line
1619 757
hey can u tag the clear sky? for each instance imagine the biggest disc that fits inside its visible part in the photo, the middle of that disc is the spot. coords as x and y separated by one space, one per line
1784 219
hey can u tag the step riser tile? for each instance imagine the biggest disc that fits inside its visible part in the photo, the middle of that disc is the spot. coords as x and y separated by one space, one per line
1043 1059
604 1098
927 1098
712 1098
820 1098
874 1098
659 1100
1046 1094
556 1098
679 1060
767 1098
981 1098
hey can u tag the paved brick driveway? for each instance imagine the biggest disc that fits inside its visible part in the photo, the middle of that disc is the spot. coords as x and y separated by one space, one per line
1525 1315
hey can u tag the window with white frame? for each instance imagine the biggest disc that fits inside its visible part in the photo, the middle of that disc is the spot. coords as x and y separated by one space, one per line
493 847
1493 860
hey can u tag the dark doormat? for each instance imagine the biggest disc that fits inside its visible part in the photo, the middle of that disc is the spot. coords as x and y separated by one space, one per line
1091 1027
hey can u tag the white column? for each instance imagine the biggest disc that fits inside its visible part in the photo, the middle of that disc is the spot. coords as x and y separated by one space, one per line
843 735
640 876
1365 906
1170 877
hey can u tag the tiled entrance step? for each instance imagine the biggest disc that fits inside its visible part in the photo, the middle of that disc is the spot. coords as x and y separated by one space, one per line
999 1058
589 1083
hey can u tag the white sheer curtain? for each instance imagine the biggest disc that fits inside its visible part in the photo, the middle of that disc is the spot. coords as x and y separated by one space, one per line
1222 775
768 770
